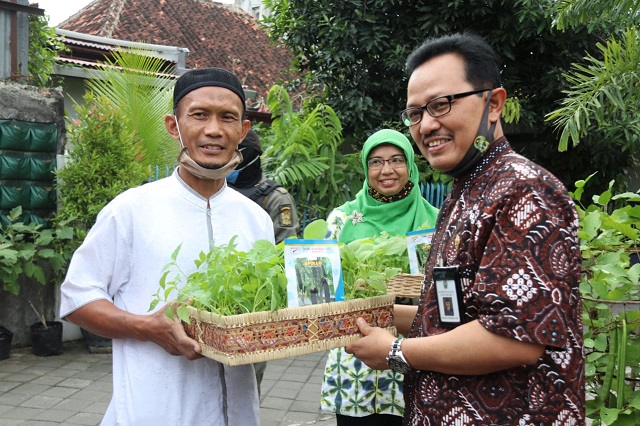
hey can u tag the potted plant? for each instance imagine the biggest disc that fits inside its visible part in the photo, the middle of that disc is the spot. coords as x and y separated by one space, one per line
30 253
46 336
611 301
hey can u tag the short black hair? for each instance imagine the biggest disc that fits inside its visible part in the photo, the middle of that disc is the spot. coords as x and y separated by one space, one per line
482 63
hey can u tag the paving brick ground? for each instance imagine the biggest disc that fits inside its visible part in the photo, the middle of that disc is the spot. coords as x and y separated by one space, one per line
75 388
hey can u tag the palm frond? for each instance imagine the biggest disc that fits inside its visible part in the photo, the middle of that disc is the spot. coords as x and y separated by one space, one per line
296 173
136 83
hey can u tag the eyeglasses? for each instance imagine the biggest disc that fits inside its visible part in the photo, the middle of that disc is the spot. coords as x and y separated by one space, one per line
397 162
436 107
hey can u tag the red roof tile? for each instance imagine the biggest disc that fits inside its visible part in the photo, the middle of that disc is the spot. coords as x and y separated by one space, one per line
216 34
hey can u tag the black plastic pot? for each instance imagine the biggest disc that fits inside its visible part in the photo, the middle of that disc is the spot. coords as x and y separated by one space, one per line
46 341
95 343
5 342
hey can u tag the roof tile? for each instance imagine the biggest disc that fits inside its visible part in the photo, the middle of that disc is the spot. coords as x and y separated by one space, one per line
217 35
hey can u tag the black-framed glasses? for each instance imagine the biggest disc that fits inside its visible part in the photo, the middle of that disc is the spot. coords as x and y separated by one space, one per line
436 107
396 162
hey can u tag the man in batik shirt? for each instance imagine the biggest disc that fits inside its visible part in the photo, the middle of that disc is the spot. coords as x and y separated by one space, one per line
505 252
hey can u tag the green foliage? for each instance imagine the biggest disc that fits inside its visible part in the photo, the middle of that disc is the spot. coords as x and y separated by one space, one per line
511 110
301 152
368 264
604 96
609 287
44 46
600 109
316 230
355 51
138 85
101 163
617 13
220 286
28 251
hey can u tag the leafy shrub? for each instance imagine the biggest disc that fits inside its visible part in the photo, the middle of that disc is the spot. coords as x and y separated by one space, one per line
368 264
102 163
26 250
611 297
139 84
302 153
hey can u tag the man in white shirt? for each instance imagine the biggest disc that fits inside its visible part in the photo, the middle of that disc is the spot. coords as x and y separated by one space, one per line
159 375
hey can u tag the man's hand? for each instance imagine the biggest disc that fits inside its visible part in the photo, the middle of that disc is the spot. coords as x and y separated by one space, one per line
170 335
105 319
374 347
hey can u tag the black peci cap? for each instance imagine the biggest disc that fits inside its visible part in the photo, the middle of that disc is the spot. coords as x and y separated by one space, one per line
203 77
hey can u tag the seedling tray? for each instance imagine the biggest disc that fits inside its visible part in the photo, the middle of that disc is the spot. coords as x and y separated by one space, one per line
265 336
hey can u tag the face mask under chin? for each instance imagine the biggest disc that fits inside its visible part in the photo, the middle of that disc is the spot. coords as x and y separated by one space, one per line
185 160
202 172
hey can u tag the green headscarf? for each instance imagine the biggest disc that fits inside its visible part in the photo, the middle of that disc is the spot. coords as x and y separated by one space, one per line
398 217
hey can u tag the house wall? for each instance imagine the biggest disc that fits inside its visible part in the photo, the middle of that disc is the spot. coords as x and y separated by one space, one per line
254 8
73 89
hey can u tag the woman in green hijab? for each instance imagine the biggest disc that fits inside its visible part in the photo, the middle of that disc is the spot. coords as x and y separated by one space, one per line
390 201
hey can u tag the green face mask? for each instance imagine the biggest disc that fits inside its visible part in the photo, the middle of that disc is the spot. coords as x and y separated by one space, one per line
481 143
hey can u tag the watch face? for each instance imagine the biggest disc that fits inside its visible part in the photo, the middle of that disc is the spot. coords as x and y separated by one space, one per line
397 364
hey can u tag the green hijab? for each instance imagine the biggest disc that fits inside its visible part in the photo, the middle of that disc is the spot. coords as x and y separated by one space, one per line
398 217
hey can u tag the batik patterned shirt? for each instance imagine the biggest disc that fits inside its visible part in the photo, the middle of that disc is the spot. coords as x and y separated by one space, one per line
511 228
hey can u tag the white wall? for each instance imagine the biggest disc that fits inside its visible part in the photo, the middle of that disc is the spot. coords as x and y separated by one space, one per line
254 8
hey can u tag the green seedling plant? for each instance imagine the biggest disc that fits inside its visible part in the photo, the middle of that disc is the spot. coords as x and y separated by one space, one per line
610 290
227 281
368 263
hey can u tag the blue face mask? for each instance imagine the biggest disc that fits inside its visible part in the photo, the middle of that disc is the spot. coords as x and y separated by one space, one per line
233 176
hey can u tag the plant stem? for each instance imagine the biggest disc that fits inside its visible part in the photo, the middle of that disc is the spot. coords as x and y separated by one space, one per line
39 315
622 362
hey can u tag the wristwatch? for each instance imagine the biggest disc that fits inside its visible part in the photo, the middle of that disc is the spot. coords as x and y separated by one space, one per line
396 360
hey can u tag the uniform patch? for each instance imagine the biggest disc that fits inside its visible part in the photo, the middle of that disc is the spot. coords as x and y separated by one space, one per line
285 216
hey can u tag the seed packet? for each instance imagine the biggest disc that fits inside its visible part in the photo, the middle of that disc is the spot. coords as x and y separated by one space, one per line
313 272
418 247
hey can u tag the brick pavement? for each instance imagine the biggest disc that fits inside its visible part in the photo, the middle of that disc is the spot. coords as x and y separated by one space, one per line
75 388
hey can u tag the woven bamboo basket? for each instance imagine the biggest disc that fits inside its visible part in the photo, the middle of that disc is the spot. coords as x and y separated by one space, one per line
264 336
405 285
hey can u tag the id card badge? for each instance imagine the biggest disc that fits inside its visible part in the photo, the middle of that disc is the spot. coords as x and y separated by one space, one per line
449 295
